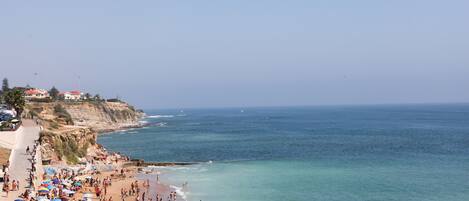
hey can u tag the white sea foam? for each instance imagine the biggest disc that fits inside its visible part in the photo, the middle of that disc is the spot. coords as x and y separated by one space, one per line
162 124
179 191
160 116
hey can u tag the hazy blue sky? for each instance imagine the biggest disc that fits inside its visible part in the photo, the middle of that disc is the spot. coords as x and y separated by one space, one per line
207 53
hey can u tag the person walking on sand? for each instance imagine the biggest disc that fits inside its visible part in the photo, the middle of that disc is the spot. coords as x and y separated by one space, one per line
6 188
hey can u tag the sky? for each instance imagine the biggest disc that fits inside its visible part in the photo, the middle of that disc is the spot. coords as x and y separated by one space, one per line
241 53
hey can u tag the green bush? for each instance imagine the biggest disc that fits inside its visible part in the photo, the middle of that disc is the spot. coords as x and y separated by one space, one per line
54 125
61 113
68 148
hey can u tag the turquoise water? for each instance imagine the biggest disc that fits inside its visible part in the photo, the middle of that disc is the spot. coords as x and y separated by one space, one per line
394 152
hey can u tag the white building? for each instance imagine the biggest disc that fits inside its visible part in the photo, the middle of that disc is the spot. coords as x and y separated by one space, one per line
72 95
36 93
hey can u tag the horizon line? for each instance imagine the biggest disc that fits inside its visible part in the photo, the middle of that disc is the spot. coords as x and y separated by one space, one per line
310 105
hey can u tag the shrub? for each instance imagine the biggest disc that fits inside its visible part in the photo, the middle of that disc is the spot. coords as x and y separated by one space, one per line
68 148
61 113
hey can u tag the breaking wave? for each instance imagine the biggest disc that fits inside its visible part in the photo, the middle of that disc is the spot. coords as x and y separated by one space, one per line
160 116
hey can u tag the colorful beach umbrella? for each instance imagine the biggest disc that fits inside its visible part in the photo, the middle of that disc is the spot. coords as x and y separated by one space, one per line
43 189
55 181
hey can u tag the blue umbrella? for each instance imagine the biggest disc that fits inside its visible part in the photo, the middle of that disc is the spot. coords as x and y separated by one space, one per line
55 181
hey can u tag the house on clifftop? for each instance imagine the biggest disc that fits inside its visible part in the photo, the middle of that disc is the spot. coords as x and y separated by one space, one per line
36 94
72 95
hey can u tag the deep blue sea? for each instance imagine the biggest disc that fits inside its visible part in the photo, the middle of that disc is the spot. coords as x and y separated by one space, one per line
327 153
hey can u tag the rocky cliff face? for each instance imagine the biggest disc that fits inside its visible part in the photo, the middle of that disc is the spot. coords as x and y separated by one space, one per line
104 116
71 128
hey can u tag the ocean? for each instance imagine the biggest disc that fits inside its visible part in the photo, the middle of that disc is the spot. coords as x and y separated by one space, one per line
324 153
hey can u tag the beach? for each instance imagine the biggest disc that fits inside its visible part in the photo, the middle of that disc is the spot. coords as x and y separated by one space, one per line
110 178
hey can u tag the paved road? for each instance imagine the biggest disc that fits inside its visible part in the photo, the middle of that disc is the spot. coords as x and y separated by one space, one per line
19 160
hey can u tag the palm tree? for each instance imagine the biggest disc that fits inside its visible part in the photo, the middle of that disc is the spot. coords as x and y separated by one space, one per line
15 99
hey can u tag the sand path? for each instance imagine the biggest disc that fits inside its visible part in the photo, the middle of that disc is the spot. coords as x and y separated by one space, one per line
20 161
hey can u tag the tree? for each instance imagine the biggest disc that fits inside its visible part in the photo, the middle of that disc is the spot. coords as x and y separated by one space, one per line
97 97
5 86
15 99
54 93
87 96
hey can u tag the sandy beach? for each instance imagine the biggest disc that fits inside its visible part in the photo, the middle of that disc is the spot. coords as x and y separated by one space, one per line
107 181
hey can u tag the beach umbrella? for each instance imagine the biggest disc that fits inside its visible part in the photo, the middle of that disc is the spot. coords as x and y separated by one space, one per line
43 190
50 171
55 181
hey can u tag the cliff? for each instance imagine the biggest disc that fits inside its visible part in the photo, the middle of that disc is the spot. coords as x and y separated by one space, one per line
71 128
104 116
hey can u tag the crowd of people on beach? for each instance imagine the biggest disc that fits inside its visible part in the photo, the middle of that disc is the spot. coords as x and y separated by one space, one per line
84 182
134 191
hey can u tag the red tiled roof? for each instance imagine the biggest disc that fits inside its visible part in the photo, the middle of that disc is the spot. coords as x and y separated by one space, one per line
35 91
75 92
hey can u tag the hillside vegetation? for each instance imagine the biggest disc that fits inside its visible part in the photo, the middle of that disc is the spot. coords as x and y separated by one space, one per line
71 128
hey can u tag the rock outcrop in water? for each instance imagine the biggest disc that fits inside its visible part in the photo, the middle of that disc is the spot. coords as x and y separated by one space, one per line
71 128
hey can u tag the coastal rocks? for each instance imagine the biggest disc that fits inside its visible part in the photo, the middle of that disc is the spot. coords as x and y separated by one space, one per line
70 129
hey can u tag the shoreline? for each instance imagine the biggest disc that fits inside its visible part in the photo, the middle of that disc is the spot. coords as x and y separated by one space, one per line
109 165
138 165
